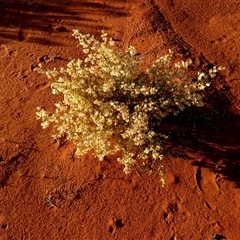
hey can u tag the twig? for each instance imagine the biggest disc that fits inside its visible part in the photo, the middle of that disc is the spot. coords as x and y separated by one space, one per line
137 171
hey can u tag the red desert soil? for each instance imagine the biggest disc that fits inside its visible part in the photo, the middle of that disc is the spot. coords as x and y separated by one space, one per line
47 194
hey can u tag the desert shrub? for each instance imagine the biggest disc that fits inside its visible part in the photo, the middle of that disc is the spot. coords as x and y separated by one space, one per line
111 104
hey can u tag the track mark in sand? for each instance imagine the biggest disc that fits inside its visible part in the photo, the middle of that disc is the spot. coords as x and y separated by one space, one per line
3 50
198 178
43 86
23 35
206 182
7 169
114 224
20 35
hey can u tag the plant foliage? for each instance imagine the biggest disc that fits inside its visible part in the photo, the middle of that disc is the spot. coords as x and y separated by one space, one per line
109 104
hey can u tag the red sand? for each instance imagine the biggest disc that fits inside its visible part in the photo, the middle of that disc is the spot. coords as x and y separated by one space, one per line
47 194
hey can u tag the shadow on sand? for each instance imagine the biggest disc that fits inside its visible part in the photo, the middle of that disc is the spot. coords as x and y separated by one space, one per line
18 18
210 133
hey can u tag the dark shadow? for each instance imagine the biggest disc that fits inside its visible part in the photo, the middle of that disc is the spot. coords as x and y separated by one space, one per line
34 21
212 132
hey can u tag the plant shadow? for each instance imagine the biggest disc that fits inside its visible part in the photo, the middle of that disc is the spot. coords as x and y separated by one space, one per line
211 134
35 21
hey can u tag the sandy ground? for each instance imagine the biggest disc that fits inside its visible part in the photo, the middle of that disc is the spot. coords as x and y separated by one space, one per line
47 194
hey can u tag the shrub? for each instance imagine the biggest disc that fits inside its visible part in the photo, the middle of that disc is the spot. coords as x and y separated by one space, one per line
110 104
